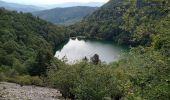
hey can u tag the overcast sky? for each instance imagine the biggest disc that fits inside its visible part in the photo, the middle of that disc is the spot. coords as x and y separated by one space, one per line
46 2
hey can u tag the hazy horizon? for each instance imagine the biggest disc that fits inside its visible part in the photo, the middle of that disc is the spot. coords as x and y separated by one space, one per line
50 2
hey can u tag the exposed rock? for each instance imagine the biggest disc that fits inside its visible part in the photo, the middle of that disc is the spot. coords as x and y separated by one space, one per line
12 91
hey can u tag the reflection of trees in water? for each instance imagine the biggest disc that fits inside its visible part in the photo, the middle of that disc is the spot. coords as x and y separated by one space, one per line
59 48
73 38
75 49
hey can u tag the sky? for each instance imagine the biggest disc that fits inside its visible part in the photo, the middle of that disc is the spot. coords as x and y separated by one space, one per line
46 2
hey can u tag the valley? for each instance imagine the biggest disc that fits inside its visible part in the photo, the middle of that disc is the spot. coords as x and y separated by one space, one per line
31 52
65 16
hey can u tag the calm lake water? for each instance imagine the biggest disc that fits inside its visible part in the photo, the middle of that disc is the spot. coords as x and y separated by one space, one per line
75 50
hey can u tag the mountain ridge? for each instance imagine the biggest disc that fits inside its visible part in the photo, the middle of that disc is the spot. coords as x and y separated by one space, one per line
67 15
121 20
19 7
73 4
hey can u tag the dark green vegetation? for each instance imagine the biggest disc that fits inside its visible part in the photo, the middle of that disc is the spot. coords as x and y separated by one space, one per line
66 16
131 22
141 74
19 7
26 44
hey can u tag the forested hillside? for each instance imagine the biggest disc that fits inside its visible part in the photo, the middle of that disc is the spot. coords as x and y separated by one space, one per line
143 73
126 21
66 16
26 44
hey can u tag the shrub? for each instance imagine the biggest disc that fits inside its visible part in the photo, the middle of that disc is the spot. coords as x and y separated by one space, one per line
35 80
86 81
23 80
2 76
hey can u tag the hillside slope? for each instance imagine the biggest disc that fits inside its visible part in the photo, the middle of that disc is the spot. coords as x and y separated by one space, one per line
68 15
26 43
129 22
141 74
19 7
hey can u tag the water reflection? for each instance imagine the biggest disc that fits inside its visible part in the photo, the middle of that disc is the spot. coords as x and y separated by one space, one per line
77 49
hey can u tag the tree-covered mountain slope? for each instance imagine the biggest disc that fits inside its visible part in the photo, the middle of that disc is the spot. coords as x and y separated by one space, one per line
126 21
141 74
67 15
27 43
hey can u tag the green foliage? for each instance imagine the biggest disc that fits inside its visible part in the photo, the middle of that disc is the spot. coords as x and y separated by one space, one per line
37 81
130 22
26 80
86 81
23 80
2 76
26 45
149 76
42 62
19 67
95 59
141 74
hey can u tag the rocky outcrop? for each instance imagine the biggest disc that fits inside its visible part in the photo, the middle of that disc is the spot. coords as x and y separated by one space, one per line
12 91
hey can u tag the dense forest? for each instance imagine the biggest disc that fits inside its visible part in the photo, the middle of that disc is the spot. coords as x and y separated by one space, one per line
27 45
141 74
125 21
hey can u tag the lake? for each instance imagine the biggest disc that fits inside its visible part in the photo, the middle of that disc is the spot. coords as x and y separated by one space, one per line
76 49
